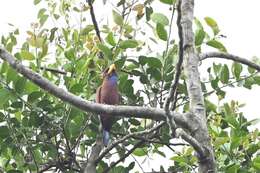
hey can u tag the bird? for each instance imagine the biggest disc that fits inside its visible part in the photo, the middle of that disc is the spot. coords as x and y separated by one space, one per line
107 93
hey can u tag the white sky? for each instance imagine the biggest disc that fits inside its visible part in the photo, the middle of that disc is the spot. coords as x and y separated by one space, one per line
238 20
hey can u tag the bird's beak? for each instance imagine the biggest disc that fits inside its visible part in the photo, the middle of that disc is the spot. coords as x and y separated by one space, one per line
111 68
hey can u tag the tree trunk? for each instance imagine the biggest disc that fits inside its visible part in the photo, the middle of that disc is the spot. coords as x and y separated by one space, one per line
197 106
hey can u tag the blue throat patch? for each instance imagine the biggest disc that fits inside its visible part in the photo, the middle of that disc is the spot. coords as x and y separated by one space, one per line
113 78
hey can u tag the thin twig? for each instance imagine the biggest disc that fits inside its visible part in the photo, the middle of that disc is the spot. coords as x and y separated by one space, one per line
53 70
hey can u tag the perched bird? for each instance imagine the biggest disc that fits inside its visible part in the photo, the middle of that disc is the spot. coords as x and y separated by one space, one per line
107 93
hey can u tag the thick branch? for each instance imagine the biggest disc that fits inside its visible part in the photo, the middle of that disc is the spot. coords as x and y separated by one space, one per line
90 165
192 141
229 57
123 111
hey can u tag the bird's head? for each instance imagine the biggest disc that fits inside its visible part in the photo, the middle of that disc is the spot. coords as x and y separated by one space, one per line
110 73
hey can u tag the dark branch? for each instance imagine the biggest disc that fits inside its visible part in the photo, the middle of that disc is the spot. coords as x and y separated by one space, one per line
53 70
93 18
173 89
229 57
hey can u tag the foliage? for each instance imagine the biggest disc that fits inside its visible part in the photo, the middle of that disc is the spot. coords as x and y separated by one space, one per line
37 129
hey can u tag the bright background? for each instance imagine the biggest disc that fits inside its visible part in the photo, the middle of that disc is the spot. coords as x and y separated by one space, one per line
238 20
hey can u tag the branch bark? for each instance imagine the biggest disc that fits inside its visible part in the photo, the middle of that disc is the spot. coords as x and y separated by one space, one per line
94 20
123 111
90 165
229 57
197 106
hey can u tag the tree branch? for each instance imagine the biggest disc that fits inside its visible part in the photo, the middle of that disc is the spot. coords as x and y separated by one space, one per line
192 141
229 57
53 70
141 133
93 18
123 111
90 165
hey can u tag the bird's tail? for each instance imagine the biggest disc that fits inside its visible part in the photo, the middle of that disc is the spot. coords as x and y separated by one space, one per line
105 137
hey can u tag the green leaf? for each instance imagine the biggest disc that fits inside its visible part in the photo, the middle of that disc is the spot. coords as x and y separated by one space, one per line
224 74
232 168
27 55
128 87
134 121
110 39
41 12
144 79
142 60
131 166
213 24
199 37
70 54
170 2
198 24
87 29
148 12
219 141
128 44
20 84
107 52
35 2
120 63
2 117
256 163
216 44
43 19
153 62
4 96
160 18
11 75
4 132
118 19
249 82
237 69
161 32
257 80
140 152
155 73
178 159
